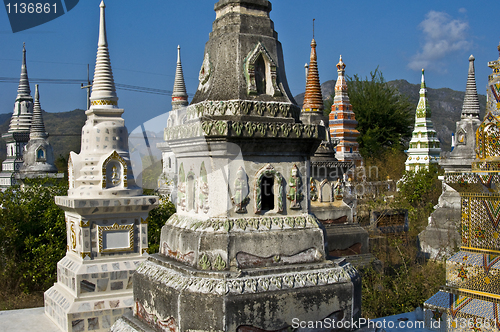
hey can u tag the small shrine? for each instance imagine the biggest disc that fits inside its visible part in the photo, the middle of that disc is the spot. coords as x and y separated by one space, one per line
441 237
19 130
106 215
470 299
424 145
343 121
243 252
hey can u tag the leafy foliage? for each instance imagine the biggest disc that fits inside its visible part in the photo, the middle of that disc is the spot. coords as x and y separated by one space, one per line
407 280
383 115
156 220
32 236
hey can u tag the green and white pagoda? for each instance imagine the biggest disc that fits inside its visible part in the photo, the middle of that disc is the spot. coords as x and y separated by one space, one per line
424 145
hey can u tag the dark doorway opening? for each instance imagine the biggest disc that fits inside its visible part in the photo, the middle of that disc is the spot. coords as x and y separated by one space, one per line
267 191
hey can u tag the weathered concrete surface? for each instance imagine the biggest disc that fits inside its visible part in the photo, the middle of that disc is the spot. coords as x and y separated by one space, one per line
26 320
441 238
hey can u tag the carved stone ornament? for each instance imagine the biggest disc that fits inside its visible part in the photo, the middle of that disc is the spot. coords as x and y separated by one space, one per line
205 73
203 196
313 190
295 192
338 189
181 188
240 198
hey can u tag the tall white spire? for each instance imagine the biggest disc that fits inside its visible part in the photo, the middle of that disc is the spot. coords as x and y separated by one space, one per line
24 85
179 95
103 87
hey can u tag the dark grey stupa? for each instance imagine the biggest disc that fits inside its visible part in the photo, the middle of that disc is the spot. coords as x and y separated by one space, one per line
242 253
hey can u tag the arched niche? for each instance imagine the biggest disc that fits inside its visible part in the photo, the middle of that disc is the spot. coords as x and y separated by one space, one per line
325 191
261 72
114 171
41 154
268 189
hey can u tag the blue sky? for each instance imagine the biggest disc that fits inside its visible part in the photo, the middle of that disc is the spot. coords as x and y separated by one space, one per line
400 37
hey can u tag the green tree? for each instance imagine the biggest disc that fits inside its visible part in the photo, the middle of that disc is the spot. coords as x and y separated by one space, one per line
383 115
32 236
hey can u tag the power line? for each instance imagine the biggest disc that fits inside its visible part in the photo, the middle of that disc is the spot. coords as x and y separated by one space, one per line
119 86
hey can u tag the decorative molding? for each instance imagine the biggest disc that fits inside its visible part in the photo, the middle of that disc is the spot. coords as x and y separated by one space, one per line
102 102
73 236
241 129
225 225
125 228
168 277
219 263
242 107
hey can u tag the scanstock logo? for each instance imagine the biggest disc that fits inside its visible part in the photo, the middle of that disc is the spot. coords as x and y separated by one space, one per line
26 15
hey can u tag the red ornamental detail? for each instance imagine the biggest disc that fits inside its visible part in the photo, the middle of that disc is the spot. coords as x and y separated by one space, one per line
493 211
457 302
167 325
489 261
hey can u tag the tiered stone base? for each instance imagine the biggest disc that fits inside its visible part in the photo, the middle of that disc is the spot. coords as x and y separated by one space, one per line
170 296
104 292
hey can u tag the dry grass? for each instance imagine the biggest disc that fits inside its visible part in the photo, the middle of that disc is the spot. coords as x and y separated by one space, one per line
10 301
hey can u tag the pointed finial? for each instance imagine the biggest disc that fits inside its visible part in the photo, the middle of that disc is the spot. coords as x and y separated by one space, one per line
24 84
179 94
341 65
422 85
313 26
102 26
103 87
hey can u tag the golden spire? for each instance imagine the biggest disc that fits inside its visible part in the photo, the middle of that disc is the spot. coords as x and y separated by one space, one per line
313 99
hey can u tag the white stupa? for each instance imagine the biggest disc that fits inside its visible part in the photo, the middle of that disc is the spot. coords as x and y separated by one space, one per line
106 216
424 145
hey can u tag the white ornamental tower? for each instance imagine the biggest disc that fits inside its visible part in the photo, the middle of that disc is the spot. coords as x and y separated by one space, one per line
177 116
19 130
106 216
424 145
